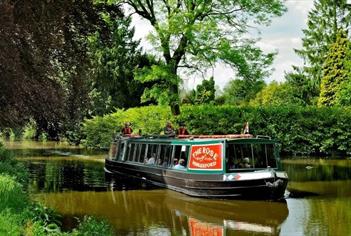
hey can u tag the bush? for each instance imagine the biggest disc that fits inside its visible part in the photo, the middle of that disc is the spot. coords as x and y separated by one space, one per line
9 166
11 194
301 130
93 227
100 130
10 224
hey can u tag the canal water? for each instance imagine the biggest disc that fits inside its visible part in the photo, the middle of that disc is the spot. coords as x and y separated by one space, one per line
72 181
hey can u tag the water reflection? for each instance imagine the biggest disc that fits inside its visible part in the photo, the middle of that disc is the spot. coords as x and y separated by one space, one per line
319 177
144 211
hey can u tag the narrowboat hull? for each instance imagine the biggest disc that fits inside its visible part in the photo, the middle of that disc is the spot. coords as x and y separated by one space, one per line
260 184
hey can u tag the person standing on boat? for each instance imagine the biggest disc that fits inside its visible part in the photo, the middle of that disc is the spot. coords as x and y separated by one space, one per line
168 130
182 129
126 130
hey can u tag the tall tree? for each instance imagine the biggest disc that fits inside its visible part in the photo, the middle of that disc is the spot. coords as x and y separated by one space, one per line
335 70
114 56
324 21
43 60
196 34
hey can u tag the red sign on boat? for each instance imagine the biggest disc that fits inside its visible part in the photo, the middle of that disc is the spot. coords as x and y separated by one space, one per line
206 157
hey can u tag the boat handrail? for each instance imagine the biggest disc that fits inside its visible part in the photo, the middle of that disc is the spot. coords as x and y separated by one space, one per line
188 136
264 136
204 136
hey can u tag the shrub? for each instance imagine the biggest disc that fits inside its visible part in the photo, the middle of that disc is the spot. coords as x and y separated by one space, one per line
100 130
9 166
11 194
10 224
301 130
93 227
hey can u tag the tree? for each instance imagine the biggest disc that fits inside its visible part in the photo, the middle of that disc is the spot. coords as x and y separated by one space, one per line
336 72
302 87
44 65
196 34
204 93
276 94
324 21
241 91
115 55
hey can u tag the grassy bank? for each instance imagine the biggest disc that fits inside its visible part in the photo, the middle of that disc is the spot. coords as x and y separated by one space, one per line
20 216
301 130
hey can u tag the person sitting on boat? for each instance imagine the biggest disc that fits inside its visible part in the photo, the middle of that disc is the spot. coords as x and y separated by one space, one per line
165 164
168 130
182 129
126 130
180 165
151 160
245 163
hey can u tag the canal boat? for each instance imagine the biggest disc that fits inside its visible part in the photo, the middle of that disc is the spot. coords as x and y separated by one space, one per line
211 166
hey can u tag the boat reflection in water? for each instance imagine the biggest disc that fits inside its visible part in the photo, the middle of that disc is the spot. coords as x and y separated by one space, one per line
165 212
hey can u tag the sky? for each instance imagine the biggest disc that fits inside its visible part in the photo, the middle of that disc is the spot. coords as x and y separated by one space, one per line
283 35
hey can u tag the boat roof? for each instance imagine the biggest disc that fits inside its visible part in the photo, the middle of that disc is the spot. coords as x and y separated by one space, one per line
194 139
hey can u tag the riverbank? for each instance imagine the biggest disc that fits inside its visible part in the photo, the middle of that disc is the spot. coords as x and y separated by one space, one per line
21 216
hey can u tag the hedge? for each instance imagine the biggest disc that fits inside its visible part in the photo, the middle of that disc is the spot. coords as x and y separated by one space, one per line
300 130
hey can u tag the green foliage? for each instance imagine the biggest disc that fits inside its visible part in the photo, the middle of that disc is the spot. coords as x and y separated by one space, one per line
335 72
204 93
115 56
93 227
11 194
238 92
301 130
198 34
276 94
9 166
29 130
100 130
302 87
163 83
324 21
10 223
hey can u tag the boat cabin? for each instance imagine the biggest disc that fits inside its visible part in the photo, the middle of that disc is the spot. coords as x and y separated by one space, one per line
202 166
198 154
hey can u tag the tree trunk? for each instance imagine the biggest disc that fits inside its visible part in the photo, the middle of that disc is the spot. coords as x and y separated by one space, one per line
174 91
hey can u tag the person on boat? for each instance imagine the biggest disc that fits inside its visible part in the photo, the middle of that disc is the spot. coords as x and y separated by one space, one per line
168 130
182 129
151 160
245 163
180 165
127 130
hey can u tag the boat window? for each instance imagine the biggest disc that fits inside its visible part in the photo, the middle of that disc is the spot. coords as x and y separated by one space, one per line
121 152
181 152
245 156
168 156
259 153
165 154
242 156
141 156
151 156
113 151
131 150
270 156
137 152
